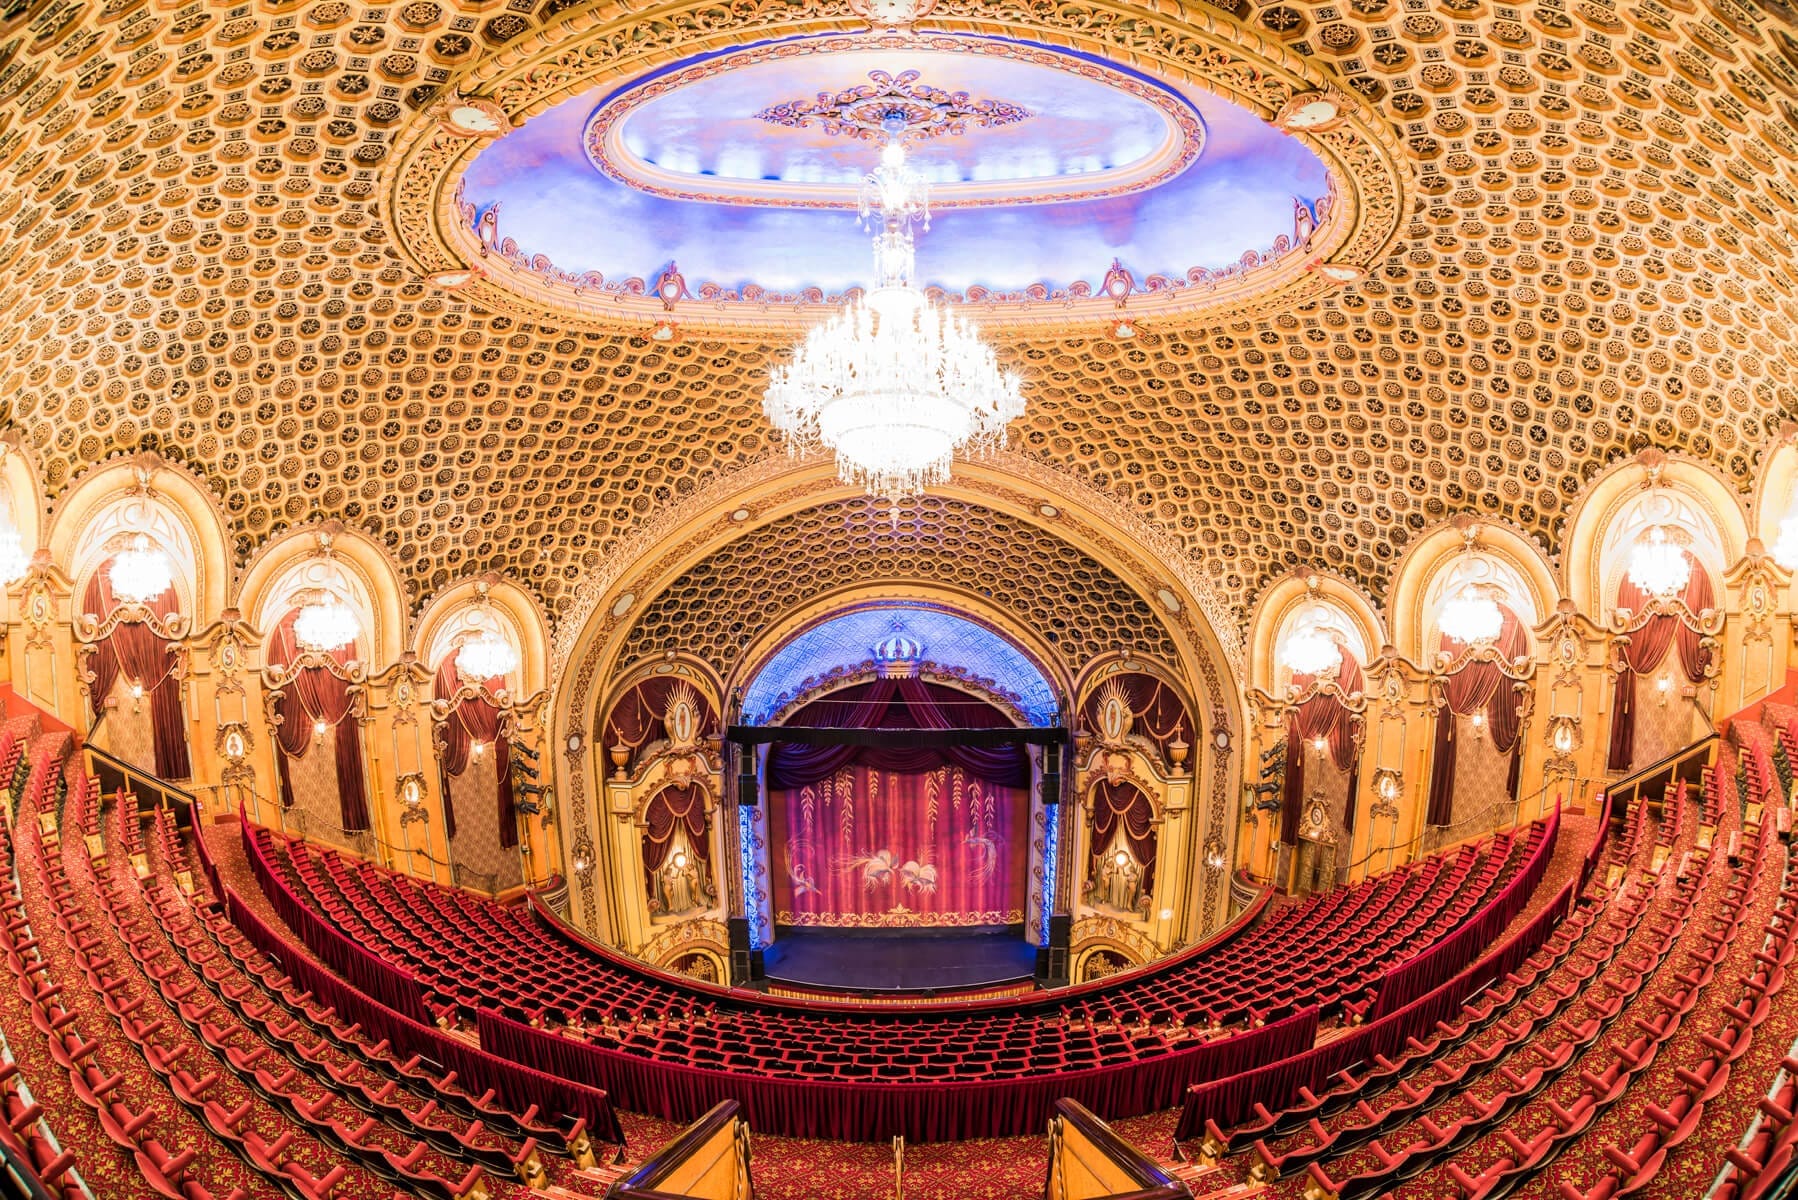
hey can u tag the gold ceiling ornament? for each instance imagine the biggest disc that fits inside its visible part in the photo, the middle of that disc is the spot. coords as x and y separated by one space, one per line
1368 182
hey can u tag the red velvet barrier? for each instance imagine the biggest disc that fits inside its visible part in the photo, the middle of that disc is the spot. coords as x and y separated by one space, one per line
875 1111
517 1087
393 986
1231 1101
1440 962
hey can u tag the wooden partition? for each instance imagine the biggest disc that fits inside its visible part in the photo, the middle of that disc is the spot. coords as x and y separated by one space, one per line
708 1161
1087 1161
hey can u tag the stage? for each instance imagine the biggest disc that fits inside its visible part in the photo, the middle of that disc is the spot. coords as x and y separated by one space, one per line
886 960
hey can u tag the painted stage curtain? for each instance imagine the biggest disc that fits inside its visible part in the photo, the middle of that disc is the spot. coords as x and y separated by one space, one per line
475 719
133 650
1123 805
1645 651
1322 716
898 704
867 847
315 695
1476 687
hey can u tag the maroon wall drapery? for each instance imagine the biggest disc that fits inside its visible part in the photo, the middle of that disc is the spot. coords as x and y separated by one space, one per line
1124 805
1322 716
1157 710
669 809
475 719
1477 686
1646 649
316 694
133 650
870 847
898 704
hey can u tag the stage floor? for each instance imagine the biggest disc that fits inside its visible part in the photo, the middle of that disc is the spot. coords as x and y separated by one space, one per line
862 960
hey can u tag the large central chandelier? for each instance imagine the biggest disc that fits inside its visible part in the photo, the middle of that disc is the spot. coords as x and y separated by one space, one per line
894 384
140 572
1658 564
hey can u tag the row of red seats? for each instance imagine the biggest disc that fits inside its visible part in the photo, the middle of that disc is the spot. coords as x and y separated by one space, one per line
481 954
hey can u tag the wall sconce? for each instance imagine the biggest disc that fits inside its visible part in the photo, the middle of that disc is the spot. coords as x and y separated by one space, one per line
478 750
1664 686
1478 721
1214 859
1388 786
411 791
1320 744
582 862
319 729
1563 735
137 697
233 744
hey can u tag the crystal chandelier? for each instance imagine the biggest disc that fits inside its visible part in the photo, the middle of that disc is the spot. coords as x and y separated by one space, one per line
893 384
1785 546
1310 651
1472 617
1658 565
486 655
140 572
13 560
324 624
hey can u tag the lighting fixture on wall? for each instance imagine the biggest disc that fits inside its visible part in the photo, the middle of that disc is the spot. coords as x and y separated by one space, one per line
325 623
1309 650
488 654
13 560
1214 860
1563 734
894 384
140 572
1658 563
1472 616
1388 786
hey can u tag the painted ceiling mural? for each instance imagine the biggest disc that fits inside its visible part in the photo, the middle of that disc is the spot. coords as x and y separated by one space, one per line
742 170
200 258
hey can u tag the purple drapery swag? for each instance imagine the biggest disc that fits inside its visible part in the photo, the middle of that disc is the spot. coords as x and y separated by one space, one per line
897 704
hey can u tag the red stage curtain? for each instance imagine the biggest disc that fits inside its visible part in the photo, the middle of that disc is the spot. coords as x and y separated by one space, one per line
1475 687
475 719
1647 647
134 651
870 847
1322 716
1124 804
315 695
897 704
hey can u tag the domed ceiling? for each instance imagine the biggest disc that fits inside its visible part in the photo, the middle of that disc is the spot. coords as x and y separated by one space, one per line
741 171
215 248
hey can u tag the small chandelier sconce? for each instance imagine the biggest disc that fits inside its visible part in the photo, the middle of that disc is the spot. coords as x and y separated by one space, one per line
487 653
1388 787
14 561
326 622
478 751
1215 859
137 697
319 729
582 862
411 791
140 572
1784 550
1563 736
234 743
1658 563
1664 689
1478 721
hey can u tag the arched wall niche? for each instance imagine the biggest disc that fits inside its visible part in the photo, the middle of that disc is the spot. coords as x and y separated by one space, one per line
171 506
21 491
292 564
1302 599
1429 567
507 609
1776 491
1619 503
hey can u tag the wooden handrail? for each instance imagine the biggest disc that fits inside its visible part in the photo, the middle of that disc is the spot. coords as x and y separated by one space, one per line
1147 1178
642 1183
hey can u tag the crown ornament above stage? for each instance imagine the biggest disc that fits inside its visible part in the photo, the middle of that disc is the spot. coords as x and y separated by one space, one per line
898 655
